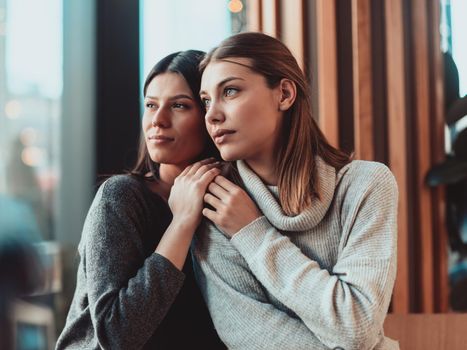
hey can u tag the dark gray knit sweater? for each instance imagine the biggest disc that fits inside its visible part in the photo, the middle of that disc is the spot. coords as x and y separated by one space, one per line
127 296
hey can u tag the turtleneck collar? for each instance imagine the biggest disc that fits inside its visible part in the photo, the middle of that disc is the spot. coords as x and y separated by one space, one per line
266 197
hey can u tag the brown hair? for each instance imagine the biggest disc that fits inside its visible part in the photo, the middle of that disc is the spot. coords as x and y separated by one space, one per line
186 64
301 139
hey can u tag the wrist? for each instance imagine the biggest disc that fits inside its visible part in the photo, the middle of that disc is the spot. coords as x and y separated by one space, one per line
175 243
184 224
246 223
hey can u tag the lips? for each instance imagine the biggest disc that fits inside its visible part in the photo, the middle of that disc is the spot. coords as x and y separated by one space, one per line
220 135
159 139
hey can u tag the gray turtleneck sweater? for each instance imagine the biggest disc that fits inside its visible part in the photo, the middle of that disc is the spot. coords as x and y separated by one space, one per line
321 279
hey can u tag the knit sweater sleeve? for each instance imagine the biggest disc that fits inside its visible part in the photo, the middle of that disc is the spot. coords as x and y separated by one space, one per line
344 307
242 314
128 294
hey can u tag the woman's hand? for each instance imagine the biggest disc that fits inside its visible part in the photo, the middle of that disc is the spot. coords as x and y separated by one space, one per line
233 208
186 195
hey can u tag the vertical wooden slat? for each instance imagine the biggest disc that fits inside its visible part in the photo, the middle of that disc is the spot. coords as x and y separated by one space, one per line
327 69
362 79
254 15
438 154
441 279
423 152
270 17
292 17
379 81
345 75
397 131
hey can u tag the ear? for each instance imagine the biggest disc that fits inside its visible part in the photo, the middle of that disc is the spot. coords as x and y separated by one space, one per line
288 93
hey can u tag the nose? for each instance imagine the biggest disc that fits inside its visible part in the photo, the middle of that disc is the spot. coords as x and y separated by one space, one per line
160 118
214 115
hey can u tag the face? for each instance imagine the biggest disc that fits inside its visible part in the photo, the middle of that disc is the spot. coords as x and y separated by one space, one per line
173 123
242 114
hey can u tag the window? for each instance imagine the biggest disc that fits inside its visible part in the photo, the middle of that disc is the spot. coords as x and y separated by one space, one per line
170 26
31 93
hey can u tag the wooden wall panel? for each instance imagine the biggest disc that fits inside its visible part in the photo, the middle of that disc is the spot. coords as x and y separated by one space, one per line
427 332
438 155
345 79
254 17
362 79
397 131
292 24
327 69
270 17
421 98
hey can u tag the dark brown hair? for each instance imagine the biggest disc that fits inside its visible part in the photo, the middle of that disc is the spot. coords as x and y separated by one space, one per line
301 139
186 64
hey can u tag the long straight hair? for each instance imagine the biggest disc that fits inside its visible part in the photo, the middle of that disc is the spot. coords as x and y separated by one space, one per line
186 64
301 140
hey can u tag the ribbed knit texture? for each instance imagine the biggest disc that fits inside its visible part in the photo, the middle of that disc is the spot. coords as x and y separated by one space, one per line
321 279
128 297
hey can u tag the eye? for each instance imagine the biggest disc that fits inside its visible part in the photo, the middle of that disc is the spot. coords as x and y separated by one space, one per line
230 91
150 105
206 103
179 106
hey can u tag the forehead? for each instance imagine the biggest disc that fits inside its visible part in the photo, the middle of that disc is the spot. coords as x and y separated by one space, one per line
218 70
168 84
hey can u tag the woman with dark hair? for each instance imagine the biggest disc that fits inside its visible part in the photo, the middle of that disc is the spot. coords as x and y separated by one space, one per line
135 286
300 250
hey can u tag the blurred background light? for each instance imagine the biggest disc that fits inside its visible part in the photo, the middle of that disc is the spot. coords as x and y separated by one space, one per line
13 109
28 136
33 156
235 6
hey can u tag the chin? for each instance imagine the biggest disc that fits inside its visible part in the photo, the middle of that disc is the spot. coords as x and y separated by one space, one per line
159 158
230 156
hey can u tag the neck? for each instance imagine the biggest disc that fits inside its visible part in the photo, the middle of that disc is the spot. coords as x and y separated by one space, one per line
167 175
264 164
265 168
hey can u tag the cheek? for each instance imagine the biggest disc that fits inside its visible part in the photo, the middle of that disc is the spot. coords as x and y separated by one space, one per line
194 133
145 123
256 119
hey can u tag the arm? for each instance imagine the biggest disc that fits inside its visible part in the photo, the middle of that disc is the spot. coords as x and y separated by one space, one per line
186 202
120 282
346 306
240 310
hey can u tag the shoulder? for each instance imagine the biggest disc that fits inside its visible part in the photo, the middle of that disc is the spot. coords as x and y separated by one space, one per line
364 183
121 185
120 205
364 176
122 189
122 194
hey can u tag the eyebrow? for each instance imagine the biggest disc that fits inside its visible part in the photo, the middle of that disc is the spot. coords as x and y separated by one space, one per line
176 97
222 82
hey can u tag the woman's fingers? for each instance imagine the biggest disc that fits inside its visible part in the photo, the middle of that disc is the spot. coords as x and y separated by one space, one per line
212 200
229 186
208 177
205 168
210 214
194 167
217 190
185 171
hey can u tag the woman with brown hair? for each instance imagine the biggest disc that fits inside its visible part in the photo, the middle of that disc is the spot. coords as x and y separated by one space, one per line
300 250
